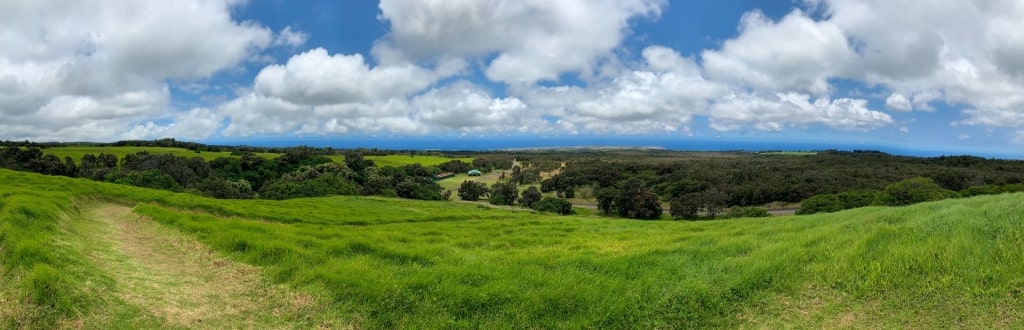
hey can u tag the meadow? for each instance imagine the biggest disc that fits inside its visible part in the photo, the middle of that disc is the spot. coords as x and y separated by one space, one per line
76 153
402 160
389 263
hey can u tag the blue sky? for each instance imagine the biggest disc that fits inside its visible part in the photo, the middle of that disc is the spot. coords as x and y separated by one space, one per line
929 75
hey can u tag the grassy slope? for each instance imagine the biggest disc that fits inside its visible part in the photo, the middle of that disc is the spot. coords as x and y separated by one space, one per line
947 264
76 153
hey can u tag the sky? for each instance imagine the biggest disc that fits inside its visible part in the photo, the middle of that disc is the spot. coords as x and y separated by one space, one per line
917 74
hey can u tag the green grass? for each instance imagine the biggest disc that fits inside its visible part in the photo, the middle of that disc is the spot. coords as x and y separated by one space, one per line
402 160
76 153
399 264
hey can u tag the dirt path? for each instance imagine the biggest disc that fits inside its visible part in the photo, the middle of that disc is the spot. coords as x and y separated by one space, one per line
173 277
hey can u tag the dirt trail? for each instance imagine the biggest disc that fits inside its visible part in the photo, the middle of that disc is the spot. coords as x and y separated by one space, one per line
181 281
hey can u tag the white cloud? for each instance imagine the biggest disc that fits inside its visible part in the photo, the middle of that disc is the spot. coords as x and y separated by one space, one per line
291 38
195 124
662 96
463 106
532 40
73 70
773 113
963 136
795 54
898 102
959 52
316 78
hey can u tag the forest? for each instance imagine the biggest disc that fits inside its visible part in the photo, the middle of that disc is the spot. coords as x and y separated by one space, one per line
628 183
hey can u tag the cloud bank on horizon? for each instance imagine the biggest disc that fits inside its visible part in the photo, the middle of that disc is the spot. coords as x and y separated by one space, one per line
925 72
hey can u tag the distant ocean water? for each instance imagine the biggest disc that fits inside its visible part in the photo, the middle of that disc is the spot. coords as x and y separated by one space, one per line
683 144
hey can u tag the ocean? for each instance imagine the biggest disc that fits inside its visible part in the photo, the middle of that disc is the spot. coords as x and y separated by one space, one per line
504 143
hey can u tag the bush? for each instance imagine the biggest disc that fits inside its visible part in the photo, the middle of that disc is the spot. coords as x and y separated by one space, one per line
748 212
530 197
472 190
685 207
912 191
503 193
554 205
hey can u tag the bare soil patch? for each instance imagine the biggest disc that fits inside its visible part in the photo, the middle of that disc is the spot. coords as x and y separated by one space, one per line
181 281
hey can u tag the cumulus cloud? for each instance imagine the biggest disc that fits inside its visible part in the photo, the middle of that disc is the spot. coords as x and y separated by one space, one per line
530 40
773 113
795 54
195 124
898 102
316 78
107 63
959 52
662 95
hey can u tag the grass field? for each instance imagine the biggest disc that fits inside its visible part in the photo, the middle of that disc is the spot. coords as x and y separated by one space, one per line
384 263
76 153
402 160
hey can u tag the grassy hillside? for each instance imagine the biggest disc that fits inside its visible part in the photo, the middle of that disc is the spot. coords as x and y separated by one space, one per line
76 153
385 263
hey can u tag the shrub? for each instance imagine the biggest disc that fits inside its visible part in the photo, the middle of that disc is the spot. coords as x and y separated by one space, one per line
748 212
911 191
530 197
472 190
554 205
503 193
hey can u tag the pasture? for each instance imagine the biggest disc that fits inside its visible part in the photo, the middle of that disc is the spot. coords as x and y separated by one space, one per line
389 263
76 153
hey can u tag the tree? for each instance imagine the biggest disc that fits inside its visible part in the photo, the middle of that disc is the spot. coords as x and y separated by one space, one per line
625 201
355 161
911 191
530 197
472 190
686 206
714 201
820 203
554 205
646 205
606 199
503 193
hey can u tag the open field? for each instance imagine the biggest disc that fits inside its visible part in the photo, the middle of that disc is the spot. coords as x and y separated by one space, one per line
386 263
402 160
76 153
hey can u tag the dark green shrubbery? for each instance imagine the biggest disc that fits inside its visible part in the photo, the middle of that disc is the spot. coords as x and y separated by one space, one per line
748 212
554 205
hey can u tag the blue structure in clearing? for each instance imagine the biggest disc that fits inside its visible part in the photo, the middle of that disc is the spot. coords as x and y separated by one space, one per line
474 173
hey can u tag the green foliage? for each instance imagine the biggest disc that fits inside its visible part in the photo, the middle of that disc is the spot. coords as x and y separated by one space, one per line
912 191
311 182
532 196
151 178
472 190
554 205
77 153
748 212
685 207
606 199
503 193
827 203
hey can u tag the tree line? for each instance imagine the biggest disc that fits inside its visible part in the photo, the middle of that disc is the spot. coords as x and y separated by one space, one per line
298 172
